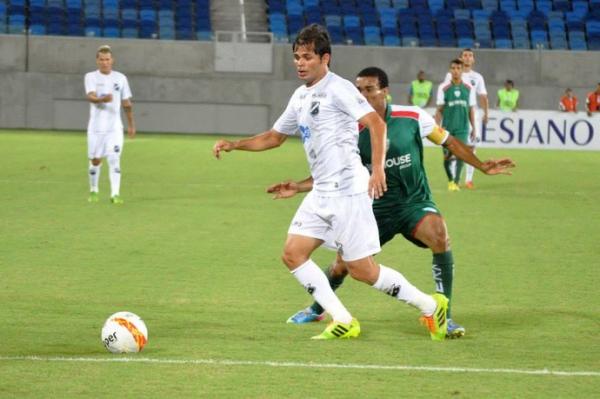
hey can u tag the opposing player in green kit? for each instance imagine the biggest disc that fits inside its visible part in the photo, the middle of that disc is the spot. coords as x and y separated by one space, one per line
456 113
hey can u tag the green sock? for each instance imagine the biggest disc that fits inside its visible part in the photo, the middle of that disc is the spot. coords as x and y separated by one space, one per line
459 166
447 169
334 282
443 274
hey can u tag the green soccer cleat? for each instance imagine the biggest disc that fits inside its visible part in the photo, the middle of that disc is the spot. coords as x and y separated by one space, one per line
337 329
437 324
93 197
117 200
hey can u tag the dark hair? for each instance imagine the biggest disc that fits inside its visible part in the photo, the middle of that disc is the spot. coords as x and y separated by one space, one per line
456 61
466 49
314 35
374 72
510 82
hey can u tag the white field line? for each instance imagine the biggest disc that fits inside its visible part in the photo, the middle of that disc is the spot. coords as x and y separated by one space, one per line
216 362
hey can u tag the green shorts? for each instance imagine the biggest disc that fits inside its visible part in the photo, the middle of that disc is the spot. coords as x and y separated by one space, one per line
403 220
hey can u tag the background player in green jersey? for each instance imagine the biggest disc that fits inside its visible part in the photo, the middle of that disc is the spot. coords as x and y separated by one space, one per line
407 207
455 113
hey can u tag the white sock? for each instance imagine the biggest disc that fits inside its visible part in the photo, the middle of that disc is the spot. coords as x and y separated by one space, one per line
114 174
395 284
469 173
453 168
315 282
94 176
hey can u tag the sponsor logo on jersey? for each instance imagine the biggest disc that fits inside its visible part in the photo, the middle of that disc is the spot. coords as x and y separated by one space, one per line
304 133
402 161
454 103
314 108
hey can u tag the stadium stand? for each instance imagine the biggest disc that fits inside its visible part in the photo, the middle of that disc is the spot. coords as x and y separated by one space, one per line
502 24
144 19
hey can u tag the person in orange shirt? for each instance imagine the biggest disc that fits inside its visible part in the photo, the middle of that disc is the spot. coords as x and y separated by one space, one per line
568 102
592 102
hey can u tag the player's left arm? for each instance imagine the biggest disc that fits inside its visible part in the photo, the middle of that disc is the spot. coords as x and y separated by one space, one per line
128 108
481 91
485 104
289 188
378 132
464 153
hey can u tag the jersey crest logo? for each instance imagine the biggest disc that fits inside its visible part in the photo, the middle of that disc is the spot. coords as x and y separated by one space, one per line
116 87
473 82
456 93
314 108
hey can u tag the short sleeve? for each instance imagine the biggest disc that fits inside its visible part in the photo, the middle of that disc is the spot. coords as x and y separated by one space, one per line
90 83
349 100
480 87
472 97
426 123
287 123
126 94
440 95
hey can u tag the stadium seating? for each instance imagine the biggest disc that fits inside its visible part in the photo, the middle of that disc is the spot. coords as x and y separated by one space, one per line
503 24
147 19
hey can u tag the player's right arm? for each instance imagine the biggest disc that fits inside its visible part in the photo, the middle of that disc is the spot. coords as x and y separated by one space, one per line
286 125
261 142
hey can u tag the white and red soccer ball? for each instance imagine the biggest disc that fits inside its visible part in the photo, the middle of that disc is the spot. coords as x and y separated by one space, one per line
124 332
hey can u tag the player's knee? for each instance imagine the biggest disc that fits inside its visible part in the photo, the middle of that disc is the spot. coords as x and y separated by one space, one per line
440 242
292 259
338 270
96 161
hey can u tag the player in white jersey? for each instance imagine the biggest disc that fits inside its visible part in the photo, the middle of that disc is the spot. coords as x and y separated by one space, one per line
338 210
475 80
107 91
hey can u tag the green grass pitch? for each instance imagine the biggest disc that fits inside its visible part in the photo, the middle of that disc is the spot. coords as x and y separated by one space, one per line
195 250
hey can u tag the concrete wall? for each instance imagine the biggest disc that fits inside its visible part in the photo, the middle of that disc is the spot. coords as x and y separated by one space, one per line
176 89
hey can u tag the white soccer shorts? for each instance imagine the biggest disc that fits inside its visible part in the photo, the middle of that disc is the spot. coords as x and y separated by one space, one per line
345 224
102 145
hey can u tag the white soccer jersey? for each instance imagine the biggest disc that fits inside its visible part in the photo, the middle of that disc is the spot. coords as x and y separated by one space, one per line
325 114
106 117
473 79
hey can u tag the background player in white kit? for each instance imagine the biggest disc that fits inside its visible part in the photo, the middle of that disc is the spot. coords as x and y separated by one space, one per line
107 90
338 209
475 80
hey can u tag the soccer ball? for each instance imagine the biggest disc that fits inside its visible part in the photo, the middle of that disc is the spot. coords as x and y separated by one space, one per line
124 332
